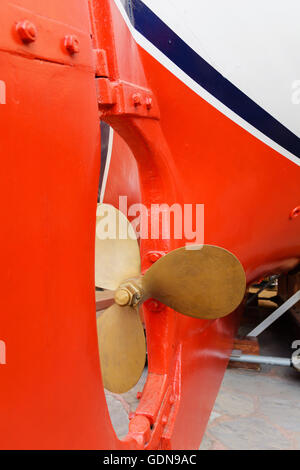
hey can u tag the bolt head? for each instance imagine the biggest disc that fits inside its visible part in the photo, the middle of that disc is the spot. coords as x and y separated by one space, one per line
137 99
153 256
154 305
71 43
148 102
122 297
164 420
295 212
26 31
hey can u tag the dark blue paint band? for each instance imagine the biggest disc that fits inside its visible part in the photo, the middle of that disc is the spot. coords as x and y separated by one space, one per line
172 46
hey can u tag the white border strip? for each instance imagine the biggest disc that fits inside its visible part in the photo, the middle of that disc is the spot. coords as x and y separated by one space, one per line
169 65
107 163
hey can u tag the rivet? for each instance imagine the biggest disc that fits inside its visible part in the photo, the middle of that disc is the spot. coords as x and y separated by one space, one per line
154 256
172 399
295 212
148 102
164 420
71 43
27 31
154 305
137 99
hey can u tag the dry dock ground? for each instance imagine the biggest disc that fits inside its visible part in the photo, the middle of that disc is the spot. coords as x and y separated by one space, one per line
254 409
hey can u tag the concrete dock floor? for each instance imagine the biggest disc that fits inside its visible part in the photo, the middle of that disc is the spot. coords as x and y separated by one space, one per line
253 410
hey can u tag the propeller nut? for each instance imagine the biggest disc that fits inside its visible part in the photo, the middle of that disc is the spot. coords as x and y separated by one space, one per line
129 293
122 297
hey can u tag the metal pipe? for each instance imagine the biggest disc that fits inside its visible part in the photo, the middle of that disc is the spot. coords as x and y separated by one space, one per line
275 315
271 360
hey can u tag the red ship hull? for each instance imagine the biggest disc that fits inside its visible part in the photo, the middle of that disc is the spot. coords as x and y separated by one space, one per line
185 151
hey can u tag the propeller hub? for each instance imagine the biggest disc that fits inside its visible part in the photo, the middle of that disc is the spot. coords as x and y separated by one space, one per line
129 293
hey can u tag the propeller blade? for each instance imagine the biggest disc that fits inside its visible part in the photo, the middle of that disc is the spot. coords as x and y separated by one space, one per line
122 347
117 257
203 282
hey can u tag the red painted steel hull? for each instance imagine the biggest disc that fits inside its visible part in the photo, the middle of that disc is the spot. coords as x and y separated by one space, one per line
51 394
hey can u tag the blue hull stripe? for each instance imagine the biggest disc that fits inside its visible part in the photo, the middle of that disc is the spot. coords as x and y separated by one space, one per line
172 46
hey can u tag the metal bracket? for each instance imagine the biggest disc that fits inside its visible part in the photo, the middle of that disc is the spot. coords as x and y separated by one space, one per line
123 98
154 426
101 66
275 315
50 39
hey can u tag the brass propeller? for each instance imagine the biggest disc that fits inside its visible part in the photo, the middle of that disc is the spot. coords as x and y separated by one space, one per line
118 257
121 338
205 282
122 347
